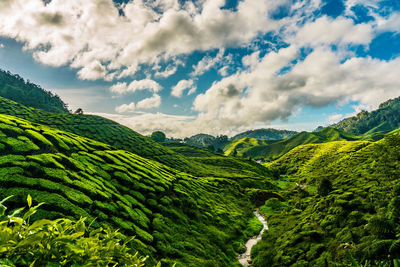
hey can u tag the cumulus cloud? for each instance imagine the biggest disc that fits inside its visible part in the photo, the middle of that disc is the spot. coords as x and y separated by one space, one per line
126 108
263 94
146 123
208 62
148 103
145 84
327 31
181 86
93 37
1 45
334 118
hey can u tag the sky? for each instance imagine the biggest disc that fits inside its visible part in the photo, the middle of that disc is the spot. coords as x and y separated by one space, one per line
208 66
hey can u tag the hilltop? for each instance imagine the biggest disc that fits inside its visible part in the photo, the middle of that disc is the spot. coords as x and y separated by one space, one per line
383 120
352 215
271 150
265 134
14 87
116 135
175 216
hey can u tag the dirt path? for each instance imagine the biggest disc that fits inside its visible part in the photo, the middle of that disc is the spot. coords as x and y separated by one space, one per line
245 258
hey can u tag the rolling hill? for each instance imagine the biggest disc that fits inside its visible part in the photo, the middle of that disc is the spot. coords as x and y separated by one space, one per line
265 134
14 87
116 135
177 217
383 120
356 219
268 151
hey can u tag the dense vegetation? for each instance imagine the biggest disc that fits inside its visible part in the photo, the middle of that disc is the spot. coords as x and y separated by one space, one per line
116 135
61 242
16 88
353 215
271 150
174 216
265 134
383 120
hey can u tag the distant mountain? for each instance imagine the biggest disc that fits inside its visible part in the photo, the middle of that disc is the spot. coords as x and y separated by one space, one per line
13 87
208 141
271 150
383 120
265 134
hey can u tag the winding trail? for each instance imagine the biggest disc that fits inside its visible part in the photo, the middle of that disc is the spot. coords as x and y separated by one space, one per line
245 258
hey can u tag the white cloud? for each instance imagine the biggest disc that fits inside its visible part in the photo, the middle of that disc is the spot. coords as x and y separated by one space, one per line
151 102
92 36
326 31
126 108
208 62
181 86
263 94
145 84
1 45
146 123
334 118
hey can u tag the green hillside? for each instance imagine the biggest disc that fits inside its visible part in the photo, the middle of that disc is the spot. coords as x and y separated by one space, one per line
383 120
268 151
14 87
265 134
246 172
243 145
345 208
116 135
194 221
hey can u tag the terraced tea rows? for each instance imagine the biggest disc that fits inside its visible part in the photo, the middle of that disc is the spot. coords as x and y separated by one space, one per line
176 216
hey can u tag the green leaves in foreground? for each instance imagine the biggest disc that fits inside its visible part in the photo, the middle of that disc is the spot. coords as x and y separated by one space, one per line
61 242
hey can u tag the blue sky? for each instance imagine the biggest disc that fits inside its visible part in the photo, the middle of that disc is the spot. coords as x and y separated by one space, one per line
211 66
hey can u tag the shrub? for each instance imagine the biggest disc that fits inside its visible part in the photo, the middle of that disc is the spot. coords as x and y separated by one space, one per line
60 242
324 187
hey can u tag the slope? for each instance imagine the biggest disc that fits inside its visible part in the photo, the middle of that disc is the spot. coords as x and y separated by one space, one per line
16 88
247 173
383 120
114 134
357 215
271 151
265 134
177 217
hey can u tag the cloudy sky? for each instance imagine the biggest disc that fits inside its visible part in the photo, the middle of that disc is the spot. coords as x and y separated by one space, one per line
210 66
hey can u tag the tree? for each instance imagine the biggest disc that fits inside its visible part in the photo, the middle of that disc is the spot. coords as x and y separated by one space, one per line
324 187
234 153
79 111
158 136
211 148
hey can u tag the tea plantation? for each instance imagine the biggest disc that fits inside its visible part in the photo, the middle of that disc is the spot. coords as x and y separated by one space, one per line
175 217
344 210
112 133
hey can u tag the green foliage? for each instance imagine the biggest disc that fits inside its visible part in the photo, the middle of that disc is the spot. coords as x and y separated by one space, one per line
13 87
118 136
359 215
158 136
265 134
324 187
382 120
175 217
269 150
60 242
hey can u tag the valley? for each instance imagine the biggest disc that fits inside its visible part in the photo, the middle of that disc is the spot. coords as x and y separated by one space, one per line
330 197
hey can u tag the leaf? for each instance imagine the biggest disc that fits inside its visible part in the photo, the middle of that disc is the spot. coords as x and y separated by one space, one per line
5 199
29 199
